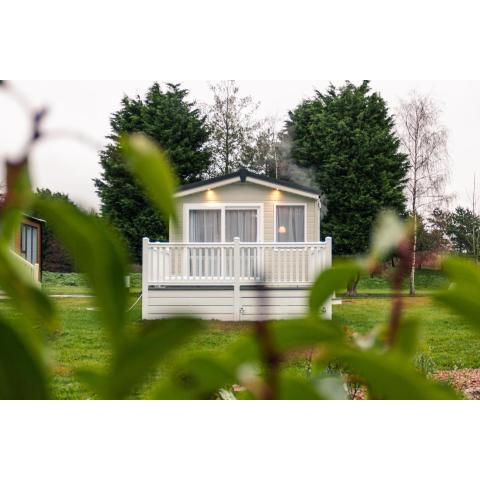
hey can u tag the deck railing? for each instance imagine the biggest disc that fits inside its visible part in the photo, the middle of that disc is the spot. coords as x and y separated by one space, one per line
237 262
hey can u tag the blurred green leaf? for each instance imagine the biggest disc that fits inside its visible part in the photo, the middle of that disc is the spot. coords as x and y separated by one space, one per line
21 372
201 377
96 381
463 295
390 377
329 281
303 333
97 252
389 231
406 339
23 292
292 388
152 169
142 352
18 198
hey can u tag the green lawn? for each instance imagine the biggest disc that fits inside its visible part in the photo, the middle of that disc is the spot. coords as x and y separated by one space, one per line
74 283
447 342
426 281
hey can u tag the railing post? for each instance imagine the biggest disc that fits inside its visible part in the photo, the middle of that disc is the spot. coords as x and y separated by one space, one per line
145 276
328 262
236 278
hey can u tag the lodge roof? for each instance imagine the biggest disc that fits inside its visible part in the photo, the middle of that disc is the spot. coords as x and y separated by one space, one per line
243 174
34 219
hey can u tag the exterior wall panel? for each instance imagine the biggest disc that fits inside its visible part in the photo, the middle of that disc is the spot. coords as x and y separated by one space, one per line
251 193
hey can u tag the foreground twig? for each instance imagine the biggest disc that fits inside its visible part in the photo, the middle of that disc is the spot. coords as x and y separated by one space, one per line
404 253
271 359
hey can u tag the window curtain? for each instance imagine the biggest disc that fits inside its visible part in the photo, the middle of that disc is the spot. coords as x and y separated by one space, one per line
290 223
241 223
204 226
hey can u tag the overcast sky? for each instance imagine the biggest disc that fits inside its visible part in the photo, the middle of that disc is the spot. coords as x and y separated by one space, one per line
85 106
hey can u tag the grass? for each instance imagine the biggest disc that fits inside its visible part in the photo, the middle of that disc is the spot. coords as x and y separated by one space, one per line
448 342
444 337
75 283
426 281
445 340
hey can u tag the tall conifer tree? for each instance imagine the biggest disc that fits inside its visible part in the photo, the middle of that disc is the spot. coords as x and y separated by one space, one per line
168 117
346 138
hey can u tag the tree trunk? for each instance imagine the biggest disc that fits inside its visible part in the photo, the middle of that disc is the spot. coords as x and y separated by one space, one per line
414 251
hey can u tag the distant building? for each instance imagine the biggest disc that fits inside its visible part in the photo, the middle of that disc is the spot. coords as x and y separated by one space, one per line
28 244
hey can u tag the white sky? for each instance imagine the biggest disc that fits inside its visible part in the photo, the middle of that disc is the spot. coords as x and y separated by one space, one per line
85 107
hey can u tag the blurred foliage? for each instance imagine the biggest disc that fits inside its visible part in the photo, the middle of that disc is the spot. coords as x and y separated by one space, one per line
382 361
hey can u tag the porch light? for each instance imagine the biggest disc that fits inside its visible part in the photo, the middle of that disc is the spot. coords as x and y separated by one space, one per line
282 229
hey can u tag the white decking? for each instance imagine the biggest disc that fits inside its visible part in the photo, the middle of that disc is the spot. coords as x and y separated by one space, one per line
231 281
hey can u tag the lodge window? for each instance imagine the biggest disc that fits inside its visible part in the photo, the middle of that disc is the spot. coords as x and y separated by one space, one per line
29 243
290 223
223 224
205 226
241 223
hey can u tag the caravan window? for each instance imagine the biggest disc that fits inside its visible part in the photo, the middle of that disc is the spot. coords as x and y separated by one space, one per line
290 223
29 243
205 226
242 223
223 223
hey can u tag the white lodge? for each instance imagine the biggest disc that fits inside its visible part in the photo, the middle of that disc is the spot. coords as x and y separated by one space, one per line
246 247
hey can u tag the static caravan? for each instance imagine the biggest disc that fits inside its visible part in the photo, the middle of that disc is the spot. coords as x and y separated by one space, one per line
245 247
27 246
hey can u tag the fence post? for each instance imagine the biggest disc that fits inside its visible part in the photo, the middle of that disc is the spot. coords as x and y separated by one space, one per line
145 277
236 278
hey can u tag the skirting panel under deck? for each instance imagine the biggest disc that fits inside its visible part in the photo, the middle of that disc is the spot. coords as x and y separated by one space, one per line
217 302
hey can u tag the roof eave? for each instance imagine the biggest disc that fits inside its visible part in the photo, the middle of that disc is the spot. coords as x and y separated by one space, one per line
245 176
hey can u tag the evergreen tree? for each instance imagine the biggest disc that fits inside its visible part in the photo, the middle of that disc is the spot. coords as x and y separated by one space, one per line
462 227
180 129
346 138
54 256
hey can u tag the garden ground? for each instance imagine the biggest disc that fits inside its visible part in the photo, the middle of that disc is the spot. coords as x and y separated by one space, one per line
446 343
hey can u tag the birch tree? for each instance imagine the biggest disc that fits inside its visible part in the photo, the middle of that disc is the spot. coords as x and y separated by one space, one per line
424 140
233 128
475 225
